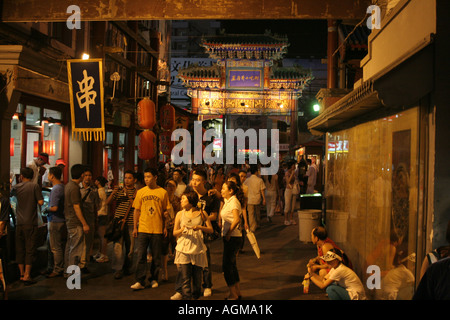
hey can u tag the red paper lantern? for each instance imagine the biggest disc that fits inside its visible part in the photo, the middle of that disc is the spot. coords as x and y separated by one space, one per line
167 117
146 113
147 145
36 149
49 147
11 147
166 144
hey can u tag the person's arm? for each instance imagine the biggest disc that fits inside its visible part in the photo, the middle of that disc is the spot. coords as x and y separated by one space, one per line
38 195
112 196
263 194
79 214
244 214
208 228
177 230
234 224
136 215
318 281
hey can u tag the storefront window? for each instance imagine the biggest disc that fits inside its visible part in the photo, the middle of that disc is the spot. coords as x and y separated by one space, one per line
372 198
33 116
16 151
52 141
56 115
114 157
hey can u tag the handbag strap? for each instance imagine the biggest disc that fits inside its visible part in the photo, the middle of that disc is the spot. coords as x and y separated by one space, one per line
128 211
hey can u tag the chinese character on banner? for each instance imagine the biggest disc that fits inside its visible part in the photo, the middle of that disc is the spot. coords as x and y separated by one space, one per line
181 122
86 98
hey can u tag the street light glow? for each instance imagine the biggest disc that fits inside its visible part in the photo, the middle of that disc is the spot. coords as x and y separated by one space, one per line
316 107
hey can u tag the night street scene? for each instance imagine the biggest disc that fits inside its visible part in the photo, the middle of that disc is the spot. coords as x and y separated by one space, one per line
280 153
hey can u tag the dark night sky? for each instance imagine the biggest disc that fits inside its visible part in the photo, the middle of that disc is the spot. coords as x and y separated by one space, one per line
307 38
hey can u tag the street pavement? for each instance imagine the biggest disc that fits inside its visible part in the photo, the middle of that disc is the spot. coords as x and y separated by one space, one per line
276 275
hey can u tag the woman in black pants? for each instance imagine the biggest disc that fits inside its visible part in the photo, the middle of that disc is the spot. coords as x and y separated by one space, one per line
230 218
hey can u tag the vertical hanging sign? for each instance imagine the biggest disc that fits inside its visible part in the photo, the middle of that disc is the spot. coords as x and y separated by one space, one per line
86 99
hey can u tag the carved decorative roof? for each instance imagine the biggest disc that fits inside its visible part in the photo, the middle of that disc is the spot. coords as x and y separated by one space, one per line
261 46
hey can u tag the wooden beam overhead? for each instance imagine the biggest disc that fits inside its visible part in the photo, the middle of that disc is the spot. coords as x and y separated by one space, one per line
120 10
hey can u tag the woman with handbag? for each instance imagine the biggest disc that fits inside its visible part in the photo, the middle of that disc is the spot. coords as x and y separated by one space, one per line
291 193
230 219
190 257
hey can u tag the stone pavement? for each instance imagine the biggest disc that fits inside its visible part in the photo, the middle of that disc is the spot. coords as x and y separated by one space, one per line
277 275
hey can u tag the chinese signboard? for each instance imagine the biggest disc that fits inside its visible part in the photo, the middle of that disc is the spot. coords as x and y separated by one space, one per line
86 98
244 79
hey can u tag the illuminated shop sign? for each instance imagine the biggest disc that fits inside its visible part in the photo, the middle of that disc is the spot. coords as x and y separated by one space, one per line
338 146
244 79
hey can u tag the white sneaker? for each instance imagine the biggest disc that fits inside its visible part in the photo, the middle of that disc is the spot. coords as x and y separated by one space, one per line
207 292
154 284
176 296
287 223
137 286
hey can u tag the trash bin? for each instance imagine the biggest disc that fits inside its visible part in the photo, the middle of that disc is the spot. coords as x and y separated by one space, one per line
308 220
310 201
336 225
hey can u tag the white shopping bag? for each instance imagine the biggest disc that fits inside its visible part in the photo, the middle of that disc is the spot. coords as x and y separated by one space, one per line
252 239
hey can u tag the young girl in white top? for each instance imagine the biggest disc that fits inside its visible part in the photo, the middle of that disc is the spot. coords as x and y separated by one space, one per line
341 283
190 254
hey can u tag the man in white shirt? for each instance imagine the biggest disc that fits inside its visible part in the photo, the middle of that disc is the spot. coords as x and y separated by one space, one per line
181 186
39 169
312 175
256 189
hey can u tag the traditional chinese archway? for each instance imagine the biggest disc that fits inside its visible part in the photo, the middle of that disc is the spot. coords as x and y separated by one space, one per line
246 79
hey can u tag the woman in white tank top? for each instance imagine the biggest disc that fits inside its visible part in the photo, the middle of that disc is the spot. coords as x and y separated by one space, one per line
190 256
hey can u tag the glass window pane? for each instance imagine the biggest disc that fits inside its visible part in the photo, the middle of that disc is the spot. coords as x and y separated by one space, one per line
16 141
109 137
52 114
122 139
33 116
52 141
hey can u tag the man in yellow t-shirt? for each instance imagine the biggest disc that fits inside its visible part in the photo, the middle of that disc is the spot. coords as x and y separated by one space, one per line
150 207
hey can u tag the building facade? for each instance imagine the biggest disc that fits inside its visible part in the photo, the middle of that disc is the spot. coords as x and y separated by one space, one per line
385 155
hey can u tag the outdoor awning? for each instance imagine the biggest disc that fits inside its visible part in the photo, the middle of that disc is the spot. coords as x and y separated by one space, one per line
391 90
356 103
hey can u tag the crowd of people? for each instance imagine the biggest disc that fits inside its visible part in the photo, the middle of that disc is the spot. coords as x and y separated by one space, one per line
162 212
167 211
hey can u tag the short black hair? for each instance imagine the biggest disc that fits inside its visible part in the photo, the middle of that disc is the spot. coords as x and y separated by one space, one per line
253 168
192 197
320 232
87 169
202 173
153 171
179 171
139 176
27 173
76 171
56 172
102 180
130 172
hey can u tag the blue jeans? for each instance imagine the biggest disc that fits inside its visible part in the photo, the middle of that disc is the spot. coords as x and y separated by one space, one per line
207 275
154 243
336 292
191 280
229 266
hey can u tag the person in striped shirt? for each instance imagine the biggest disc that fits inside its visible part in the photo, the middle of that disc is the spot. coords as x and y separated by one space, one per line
124 197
